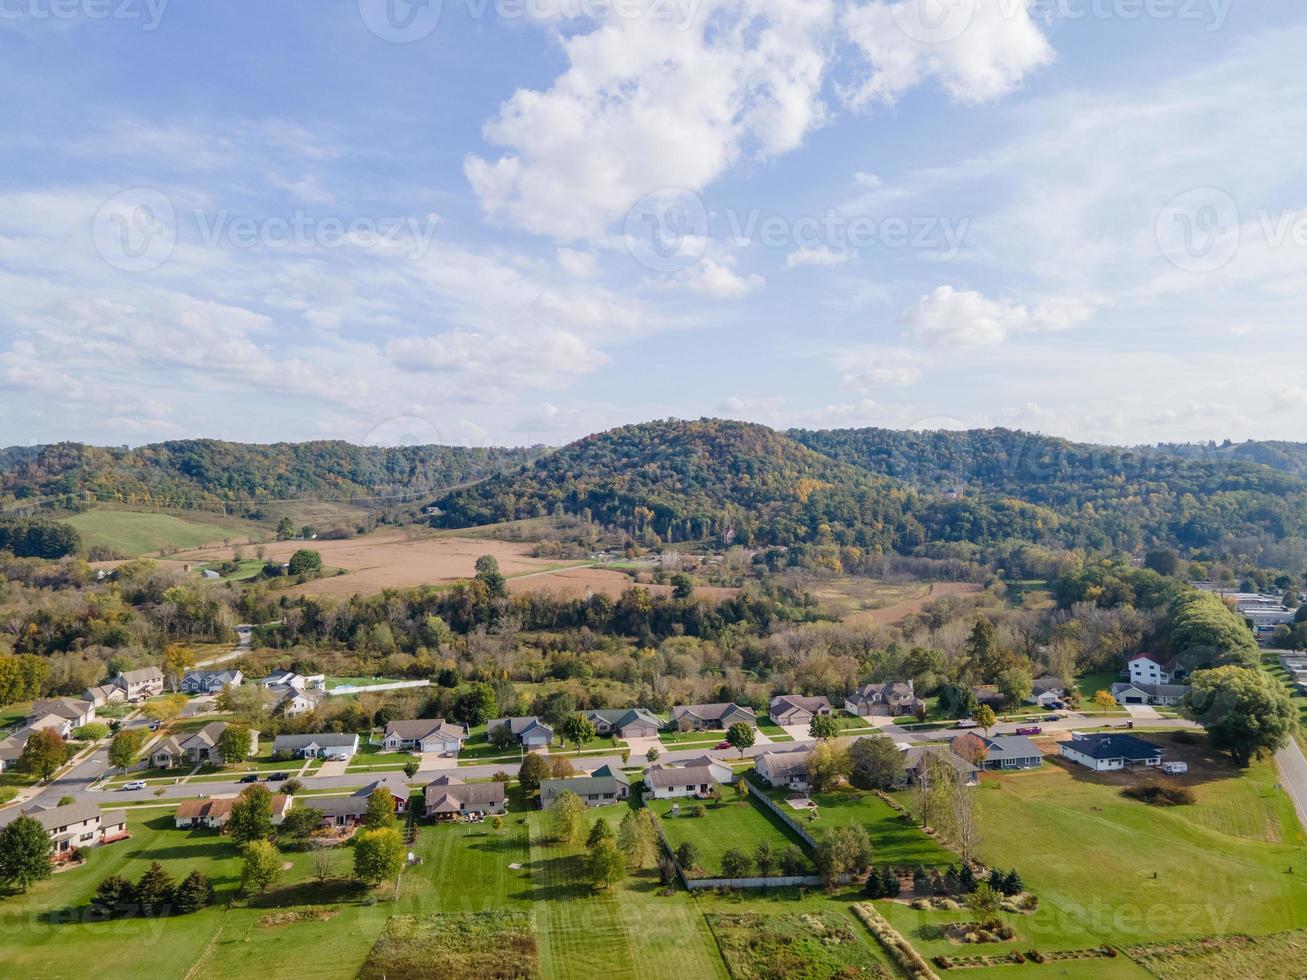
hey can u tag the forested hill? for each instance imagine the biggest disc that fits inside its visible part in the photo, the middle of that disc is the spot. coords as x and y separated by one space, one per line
185 473
1291 457
878 488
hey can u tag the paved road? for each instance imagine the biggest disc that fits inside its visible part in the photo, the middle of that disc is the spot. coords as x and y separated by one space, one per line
1293 770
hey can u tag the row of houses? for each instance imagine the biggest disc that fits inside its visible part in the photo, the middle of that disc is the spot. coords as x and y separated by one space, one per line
60 715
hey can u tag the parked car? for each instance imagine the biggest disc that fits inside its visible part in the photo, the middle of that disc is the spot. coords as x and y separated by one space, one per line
134 784
154 725
1058 705
1052 717
965 723
1029 730
252 777
722 745
277 777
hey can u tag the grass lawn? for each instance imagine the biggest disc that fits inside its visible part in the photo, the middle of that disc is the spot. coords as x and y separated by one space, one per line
1091 684
131 533
246 569
334 682
13 715
810 945
733 824
683 740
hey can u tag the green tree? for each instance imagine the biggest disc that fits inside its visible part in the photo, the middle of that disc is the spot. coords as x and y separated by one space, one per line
682 586
304 561
764 856
43 754
607 864
828 763
260 867
985 717
381 809
652 754
741 735
235 744
985 902
487 572
1246 712
578 730
114 896
92 732
300 822
824 727
735 863
411 768
687 855
475 704
792 862
534 768
982 649
1015 684
844 850
637 837
378 855
876 762
126 743
600 830
25 850
251 816
154 888
566 816
285 529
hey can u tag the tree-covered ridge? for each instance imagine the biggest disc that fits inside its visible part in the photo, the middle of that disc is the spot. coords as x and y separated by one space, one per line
192 471
682 480
1104 497
1290 457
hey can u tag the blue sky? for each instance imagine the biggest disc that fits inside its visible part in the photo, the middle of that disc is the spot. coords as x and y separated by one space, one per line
526 221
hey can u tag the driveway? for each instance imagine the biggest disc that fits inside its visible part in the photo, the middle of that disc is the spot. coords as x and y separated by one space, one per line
640 748
1143 712
798 732
333 767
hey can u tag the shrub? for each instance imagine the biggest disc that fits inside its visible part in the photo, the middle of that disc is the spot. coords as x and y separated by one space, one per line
1161 794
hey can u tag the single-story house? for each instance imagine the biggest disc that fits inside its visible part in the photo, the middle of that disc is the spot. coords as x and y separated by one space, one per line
449 798
788 768
103 694
997 752
890 698
329 744
1103 751
915 760
210 681
346 811
795 709
73 714
195 749
1045 691
49 722
424 735
289 678
1165 695
625 722
214 812
697 717
81 824
669 782
11 748
989 695
527 730
606 784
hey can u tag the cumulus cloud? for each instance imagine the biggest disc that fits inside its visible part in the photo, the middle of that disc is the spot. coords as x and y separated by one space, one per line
816 255
868 368
966 318
719 281
978 50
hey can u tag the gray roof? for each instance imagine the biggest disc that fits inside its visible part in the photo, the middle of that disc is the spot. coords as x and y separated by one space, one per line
1105 745
519 725
324 739
457 790
784 701
63 707
915 754
603 780
686 776
621 717
420 728
141 675
397 785
61 816
1001 747
1044 685
791 763
710 712
1152 690
888 691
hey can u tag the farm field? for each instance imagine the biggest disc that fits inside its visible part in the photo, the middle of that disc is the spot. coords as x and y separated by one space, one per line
131 533
581 581
867 601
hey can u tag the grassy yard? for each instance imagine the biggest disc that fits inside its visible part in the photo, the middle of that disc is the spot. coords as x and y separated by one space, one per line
1091 684
131 533
334 682
741 825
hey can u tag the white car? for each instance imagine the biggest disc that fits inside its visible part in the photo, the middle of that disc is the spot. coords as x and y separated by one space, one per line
134 784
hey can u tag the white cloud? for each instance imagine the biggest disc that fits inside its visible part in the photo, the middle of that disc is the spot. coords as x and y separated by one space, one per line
966 318
1289 398
713 278
816 255
978 50
575 263
869 368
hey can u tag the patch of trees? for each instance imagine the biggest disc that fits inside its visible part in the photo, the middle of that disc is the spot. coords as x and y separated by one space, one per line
153 894
37 538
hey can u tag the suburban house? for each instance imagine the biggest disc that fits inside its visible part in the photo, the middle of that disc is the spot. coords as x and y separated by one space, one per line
1046 691
988 695
213 812
449 798
915 769
346 811
784 768
198 748
1103 751
998 752
697 717
327 744
606 784
424 735
61 714
697 778
1151 668
103 694
81 824
137 685
794 709
11 748
1129 692
210 681
288 678
529 730
624 722
296 694
891 698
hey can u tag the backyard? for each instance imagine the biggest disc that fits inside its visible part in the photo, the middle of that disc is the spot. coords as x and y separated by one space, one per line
733 824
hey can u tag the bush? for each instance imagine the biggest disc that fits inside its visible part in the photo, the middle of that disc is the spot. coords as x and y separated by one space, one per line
1161 794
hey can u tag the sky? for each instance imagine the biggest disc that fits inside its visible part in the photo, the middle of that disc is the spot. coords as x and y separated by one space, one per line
482 222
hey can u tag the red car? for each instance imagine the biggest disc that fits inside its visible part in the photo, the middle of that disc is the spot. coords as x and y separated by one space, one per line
723 745
1029 730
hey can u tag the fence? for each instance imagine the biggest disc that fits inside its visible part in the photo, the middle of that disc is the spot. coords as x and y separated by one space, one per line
362 688
758 792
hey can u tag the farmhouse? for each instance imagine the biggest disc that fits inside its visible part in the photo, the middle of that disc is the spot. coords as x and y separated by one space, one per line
788 768
891 698
213 812
81 824
328 744
697 778
917 759
449 798
606 784
424 735
210 681
625 722
794 709
697 717
1104 751
528 730
197 748
1154 694
1000 752
1046 691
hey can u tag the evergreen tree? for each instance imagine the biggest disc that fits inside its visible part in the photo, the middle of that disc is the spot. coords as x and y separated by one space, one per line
1013 885
194 893
921 881
966 880
875 887
154 889
892 887
600 831
114 896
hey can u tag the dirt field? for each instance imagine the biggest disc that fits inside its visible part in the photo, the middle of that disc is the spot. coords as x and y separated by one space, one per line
860 600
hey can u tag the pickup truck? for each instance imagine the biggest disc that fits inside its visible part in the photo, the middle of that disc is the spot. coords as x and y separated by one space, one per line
965 723
1029 730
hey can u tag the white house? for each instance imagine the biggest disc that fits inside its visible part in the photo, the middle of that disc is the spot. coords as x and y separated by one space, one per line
1162 695
1151 668
697 778
329 744
81 824
1105 751
784 768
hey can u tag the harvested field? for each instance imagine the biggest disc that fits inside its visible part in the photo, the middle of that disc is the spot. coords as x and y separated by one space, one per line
862 600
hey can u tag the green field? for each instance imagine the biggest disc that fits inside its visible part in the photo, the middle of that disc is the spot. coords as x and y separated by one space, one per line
742 825
130 533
